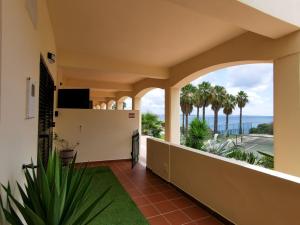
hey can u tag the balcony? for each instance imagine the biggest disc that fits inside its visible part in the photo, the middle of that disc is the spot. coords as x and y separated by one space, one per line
123 49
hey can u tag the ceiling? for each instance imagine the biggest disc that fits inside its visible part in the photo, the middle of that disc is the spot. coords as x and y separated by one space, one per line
141 33
98 76
120 42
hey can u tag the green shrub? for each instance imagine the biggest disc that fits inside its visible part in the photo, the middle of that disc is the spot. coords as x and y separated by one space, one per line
151 125
197 134
264 128
242 155
267 160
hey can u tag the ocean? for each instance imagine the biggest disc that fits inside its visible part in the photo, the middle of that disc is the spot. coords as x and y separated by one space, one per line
233 127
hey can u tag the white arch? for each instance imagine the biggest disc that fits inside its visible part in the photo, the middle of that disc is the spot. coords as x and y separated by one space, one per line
103 106
111 104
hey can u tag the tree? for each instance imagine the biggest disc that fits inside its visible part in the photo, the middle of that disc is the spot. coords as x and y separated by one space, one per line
217 99
182 107
151 125
205 90
263 128
229 105
198 100
186 102
198 133
242 100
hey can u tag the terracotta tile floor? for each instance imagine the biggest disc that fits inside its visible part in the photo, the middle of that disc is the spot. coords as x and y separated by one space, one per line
159 201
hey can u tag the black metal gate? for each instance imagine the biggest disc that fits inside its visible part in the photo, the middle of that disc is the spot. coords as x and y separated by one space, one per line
135 148
46 101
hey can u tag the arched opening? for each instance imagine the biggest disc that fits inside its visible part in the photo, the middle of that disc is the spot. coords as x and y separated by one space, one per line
125 103
153 101
97 106
236 103
181 81
143 92
103 106
153 120
111 105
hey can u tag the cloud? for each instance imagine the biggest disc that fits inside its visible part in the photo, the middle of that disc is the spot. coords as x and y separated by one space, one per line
255 79
256 76
128 102
154 101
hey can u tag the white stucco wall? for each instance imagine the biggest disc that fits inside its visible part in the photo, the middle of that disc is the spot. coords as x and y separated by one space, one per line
103 134
22 43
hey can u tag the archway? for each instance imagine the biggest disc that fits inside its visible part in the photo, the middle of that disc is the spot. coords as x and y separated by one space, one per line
256 81
152 120
184 79
111 105
103 106
124 103
97 106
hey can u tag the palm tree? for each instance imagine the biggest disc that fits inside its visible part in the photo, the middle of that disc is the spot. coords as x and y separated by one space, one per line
205 90
217 99
198 100
229 105
187 103
242 100
182 106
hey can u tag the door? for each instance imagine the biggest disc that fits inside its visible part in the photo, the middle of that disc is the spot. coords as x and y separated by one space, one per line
45 124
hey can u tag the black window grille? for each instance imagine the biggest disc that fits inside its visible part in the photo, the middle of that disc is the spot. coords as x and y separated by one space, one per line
135 148
46 101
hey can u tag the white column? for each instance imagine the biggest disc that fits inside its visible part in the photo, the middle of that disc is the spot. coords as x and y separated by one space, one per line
287 114
172 115
109 105
119 105
136 104
103 105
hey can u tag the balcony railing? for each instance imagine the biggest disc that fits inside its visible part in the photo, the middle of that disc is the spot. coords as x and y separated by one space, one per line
242 193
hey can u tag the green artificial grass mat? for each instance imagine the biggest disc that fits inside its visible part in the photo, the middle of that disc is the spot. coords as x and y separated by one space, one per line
122 211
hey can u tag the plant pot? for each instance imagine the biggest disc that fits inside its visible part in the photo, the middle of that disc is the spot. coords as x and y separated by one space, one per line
66 156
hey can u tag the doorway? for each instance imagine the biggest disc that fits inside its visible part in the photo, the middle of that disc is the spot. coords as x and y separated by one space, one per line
45 124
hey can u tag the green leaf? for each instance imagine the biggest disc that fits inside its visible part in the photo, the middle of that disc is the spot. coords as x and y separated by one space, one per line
55 195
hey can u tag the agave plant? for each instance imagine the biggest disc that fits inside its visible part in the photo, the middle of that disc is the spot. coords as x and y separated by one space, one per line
227 148
221 148
54 195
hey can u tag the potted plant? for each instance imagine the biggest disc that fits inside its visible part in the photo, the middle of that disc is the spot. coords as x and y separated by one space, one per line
66 149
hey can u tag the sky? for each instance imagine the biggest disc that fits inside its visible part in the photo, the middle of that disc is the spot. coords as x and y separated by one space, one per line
255 79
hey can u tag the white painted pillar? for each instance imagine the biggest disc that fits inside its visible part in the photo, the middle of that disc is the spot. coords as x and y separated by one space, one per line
103 106
110 105
119 105
287 114
172 115
136 105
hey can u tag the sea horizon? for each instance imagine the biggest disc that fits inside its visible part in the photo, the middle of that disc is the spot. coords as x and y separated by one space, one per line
248 121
